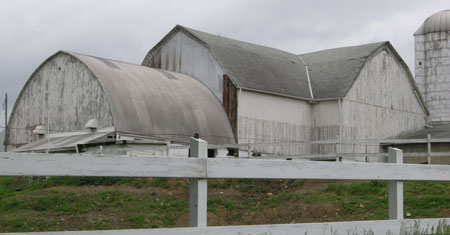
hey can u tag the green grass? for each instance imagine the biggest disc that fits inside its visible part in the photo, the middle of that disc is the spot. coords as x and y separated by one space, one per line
39 204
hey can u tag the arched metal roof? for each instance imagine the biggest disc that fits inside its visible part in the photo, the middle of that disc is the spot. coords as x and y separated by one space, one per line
158 103
438 22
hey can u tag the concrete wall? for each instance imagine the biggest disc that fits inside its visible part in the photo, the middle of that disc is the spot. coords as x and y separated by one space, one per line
62 95
433 73
381 104
183 54
269 118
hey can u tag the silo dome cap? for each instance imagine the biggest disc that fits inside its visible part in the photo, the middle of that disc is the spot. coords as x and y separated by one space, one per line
438 22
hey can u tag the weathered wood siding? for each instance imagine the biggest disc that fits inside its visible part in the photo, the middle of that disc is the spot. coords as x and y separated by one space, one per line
432 73
183 54
325 121
269 118
62 95
381 103
230 102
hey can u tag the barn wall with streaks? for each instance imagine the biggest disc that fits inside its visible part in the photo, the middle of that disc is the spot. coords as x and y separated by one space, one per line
381 104
183 54
325 121
62 94
270 118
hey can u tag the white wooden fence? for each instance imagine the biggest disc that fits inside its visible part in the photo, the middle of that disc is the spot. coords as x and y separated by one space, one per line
199 168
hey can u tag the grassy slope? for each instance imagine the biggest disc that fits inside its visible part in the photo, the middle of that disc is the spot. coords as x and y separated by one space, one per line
74 203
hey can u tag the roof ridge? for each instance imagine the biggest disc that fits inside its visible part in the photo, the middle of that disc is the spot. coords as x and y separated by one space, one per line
189 30
99 57
346 47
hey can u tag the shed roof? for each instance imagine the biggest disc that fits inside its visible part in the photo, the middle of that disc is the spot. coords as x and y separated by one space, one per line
332 72
67 142
438 131
438 22
156 103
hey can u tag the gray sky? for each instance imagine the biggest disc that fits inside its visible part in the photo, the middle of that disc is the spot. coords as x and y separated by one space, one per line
31 31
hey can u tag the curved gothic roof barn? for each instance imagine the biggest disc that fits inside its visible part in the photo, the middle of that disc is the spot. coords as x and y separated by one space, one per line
142 101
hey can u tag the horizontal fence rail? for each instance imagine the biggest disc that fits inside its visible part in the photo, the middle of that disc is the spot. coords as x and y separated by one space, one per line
348 155
383 227
198 168
12 164
356 142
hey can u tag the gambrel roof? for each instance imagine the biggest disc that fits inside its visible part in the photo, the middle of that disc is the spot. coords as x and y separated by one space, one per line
331 72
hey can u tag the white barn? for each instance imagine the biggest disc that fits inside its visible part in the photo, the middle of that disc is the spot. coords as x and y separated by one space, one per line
226 90
269 95
121 103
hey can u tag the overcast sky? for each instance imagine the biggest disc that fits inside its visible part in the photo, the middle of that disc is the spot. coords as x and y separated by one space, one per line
31 31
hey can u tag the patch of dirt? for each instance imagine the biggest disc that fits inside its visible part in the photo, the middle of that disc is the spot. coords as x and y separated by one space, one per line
294 214
445 213
320 185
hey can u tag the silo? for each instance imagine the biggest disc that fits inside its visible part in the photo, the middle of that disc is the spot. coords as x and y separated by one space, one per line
432 50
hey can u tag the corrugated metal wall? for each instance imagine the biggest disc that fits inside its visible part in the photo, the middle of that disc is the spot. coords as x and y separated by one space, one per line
381 104
62 95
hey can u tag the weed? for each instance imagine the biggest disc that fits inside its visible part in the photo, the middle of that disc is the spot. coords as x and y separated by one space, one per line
336 188
80 181
138 220
365 188
221 184
281 198
298 183
441 229
160 183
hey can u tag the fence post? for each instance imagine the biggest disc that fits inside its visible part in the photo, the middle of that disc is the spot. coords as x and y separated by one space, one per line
395 187
198 188
429 149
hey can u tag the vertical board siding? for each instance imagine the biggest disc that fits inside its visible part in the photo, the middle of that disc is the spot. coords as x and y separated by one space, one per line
381 104
325 118
230 102
62 95
268 118
432 69
183 54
